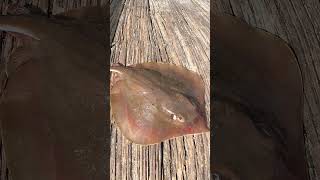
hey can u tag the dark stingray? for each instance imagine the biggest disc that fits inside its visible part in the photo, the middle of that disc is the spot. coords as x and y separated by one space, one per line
53 114
257 75
153 102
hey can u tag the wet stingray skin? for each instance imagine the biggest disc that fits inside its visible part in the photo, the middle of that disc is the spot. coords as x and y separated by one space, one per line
52 112
153 102
258 100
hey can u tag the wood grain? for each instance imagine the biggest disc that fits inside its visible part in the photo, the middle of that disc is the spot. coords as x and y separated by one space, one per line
296 22
173 31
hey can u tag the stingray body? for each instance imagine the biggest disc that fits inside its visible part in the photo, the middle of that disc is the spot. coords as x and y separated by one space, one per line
258 80
53 114
153 102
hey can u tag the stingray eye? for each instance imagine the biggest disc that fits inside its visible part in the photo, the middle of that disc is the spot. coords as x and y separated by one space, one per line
176 117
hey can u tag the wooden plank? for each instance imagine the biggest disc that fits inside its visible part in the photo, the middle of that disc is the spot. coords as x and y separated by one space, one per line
174 31
296 22
116 8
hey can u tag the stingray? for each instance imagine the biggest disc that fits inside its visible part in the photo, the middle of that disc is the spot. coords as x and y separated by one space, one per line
152 102
258 101
53 112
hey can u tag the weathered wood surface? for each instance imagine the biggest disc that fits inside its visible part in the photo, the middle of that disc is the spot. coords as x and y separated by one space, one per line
116 8
298 23
173 31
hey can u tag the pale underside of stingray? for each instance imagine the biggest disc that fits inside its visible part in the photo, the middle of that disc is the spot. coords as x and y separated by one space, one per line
153 102
257 74
52 111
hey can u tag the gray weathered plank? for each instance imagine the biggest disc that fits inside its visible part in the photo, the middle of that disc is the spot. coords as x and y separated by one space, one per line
173 31
298 23
116 7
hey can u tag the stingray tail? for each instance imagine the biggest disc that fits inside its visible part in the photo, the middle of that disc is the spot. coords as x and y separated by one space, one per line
22 25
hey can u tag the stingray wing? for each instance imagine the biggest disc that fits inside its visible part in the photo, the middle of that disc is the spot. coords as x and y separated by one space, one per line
140 93
193 83
93 14
259 71
23 25
53 112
